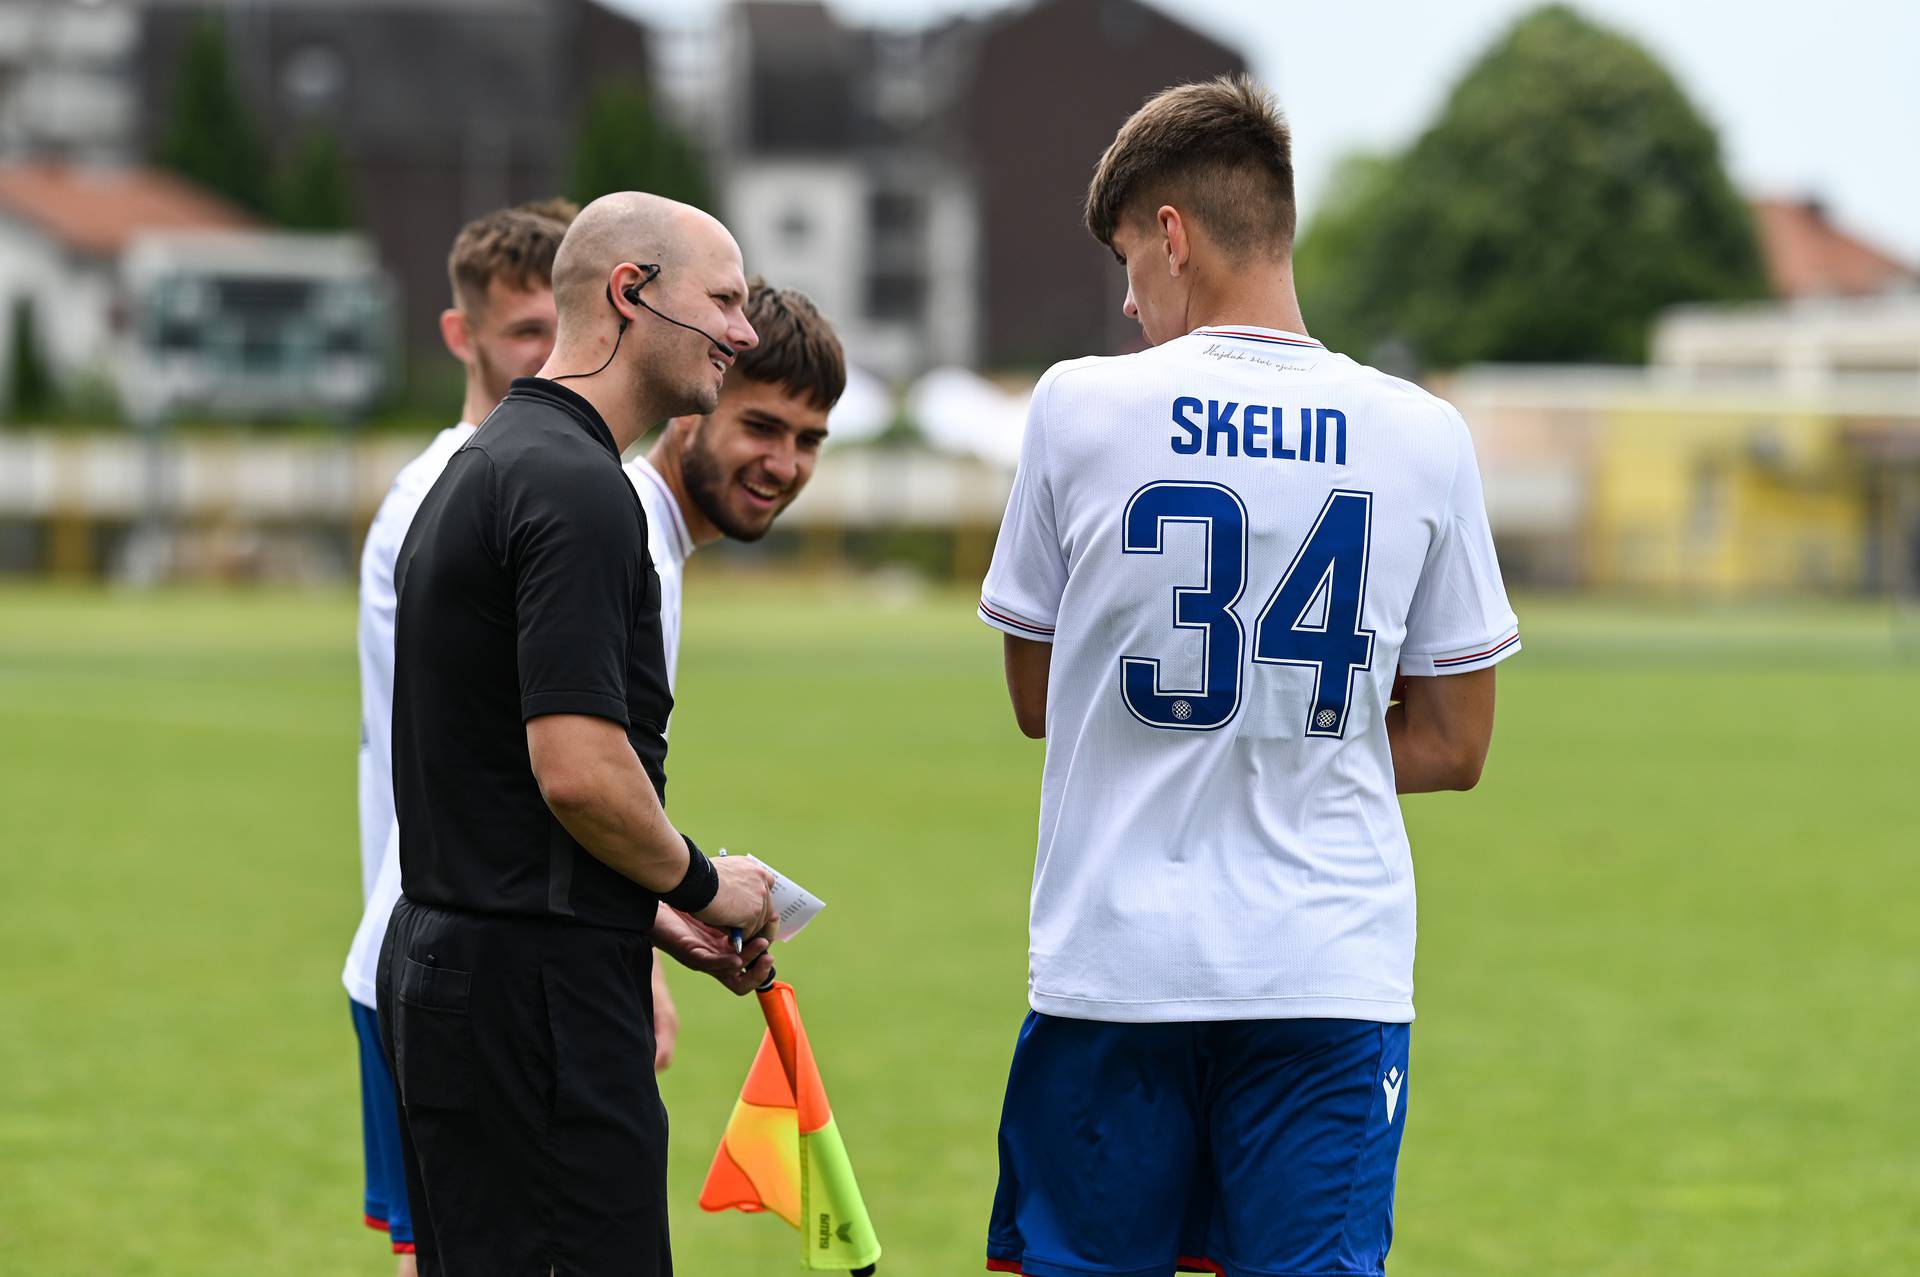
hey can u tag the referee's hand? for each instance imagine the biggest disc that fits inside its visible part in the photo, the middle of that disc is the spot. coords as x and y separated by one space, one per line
698 947
745 898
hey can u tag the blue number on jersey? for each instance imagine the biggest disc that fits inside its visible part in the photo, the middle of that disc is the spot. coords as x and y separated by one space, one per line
1313 618
1208 608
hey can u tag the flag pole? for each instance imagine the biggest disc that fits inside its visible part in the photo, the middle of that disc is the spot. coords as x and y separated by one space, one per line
785 1043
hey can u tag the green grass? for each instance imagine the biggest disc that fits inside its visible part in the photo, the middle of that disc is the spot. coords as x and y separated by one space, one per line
1666 971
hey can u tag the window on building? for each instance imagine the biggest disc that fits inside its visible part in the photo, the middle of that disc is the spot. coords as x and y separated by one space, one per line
894 213
896 296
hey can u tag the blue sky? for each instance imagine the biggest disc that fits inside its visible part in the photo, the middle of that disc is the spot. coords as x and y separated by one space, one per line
1821 100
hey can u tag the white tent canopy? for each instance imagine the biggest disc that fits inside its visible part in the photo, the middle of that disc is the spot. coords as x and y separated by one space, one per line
962 412
864 411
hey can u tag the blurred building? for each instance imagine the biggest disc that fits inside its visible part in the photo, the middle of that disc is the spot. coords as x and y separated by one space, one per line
65 89
171 300
445 108
64 231
1811 345
1807 255
1640 481
925 185
253 326
1768 447
1051 85
836 176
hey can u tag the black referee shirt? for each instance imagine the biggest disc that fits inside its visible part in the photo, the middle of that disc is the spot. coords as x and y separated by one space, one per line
525 588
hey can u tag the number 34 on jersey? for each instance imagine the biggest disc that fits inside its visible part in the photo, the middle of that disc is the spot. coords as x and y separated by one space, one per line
1310 622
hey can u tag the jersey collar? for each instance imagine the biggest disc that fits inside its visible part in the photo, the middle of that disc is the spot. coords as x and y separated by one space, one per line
571 402
682 537
1259 336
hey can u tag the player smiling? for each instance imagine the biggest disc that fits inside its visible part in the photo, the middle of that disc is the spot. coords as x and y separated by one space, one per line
732 471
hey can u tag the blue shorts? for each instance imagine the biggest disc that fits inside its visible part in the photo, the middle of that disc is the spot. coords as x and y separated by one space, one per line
386 1203
1250 1148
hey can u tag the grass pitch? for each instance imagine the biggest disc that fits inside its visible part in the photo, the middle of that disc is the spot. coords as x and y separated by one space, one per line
1666 970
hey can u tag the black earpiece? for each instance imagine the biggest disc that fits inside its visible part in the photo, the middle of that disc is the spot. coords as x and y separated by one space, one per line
632 293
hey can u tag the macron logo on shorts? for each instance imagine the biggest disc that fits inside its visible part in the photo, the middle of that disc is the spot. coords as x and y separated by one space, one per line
1391 1084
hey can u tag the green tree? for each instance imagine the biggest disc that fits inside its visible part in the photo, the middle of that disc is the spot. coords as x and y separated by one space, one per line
316 187
1567 194
30 390
210 136
1340 296
625 144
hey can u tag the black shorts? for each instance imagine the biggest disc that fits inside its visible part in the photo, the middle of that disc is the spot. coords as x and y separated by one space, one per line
531 1125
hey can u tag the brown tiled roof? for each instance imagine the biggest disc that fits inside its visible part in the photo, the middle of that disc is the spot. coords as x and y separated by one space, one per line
1808 256
97 210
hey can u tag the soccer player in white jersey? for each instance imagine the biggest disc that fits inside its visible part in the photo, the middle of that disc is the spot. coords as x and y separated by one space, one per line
731 472
1216 555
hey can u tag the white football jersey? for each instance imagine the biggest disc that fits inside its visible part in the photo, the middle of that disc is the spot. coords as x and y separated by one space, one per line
1232 541
379 881
670 542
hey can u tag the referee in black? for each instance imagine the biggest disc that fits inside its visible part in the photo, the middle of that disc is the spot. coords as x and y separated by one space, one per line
530 697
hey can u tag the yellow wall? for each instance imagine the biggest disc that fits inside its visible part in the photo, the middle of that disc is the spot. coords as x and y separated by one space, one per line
1722 503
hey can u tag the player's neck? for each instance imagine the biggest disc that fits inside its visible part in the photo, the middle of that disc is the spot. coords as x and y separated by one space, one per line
479 403
1255 298
614 392
665 457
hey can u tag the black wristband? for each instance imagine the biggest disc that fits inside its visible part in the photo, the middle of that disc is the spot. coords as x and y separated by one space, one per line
698 886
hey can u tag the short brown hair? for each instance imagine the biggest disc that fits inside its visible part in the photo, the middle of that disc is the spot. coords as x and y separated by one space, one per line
512 245
798 349
558 207
1219 150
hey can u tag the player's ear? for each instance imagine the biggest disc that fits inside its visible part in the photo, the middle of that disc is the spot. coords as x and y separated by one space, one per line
1173 229
455 334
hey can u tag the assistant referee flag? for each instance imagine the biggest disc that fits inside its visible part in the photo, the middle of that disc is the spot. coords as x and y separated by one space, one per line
782 1152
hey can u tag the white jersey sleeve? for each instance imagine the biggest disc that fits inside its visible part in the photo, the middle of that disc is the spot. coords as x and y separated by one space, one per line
379 886
1029 572
1460 619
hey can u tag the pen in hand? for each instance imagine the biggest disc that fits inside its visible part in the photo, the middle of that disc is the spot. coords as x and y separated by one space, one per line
738 937
734 933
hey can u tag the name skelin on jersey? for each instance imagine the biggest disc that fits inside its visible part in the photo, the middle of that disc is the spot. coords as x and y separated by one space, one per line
1226 428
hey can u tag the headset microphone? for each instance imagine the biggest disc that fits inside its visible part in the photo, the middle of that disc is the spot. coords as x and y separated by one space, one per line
632 293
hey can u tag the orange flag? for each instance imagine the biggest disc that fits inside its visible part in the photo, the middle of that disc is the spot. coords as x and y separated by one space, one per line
782 1151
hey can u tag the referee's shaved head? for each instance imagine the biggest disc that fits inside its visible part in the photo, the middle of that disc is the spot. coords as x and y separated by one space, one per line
627 226
691 321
